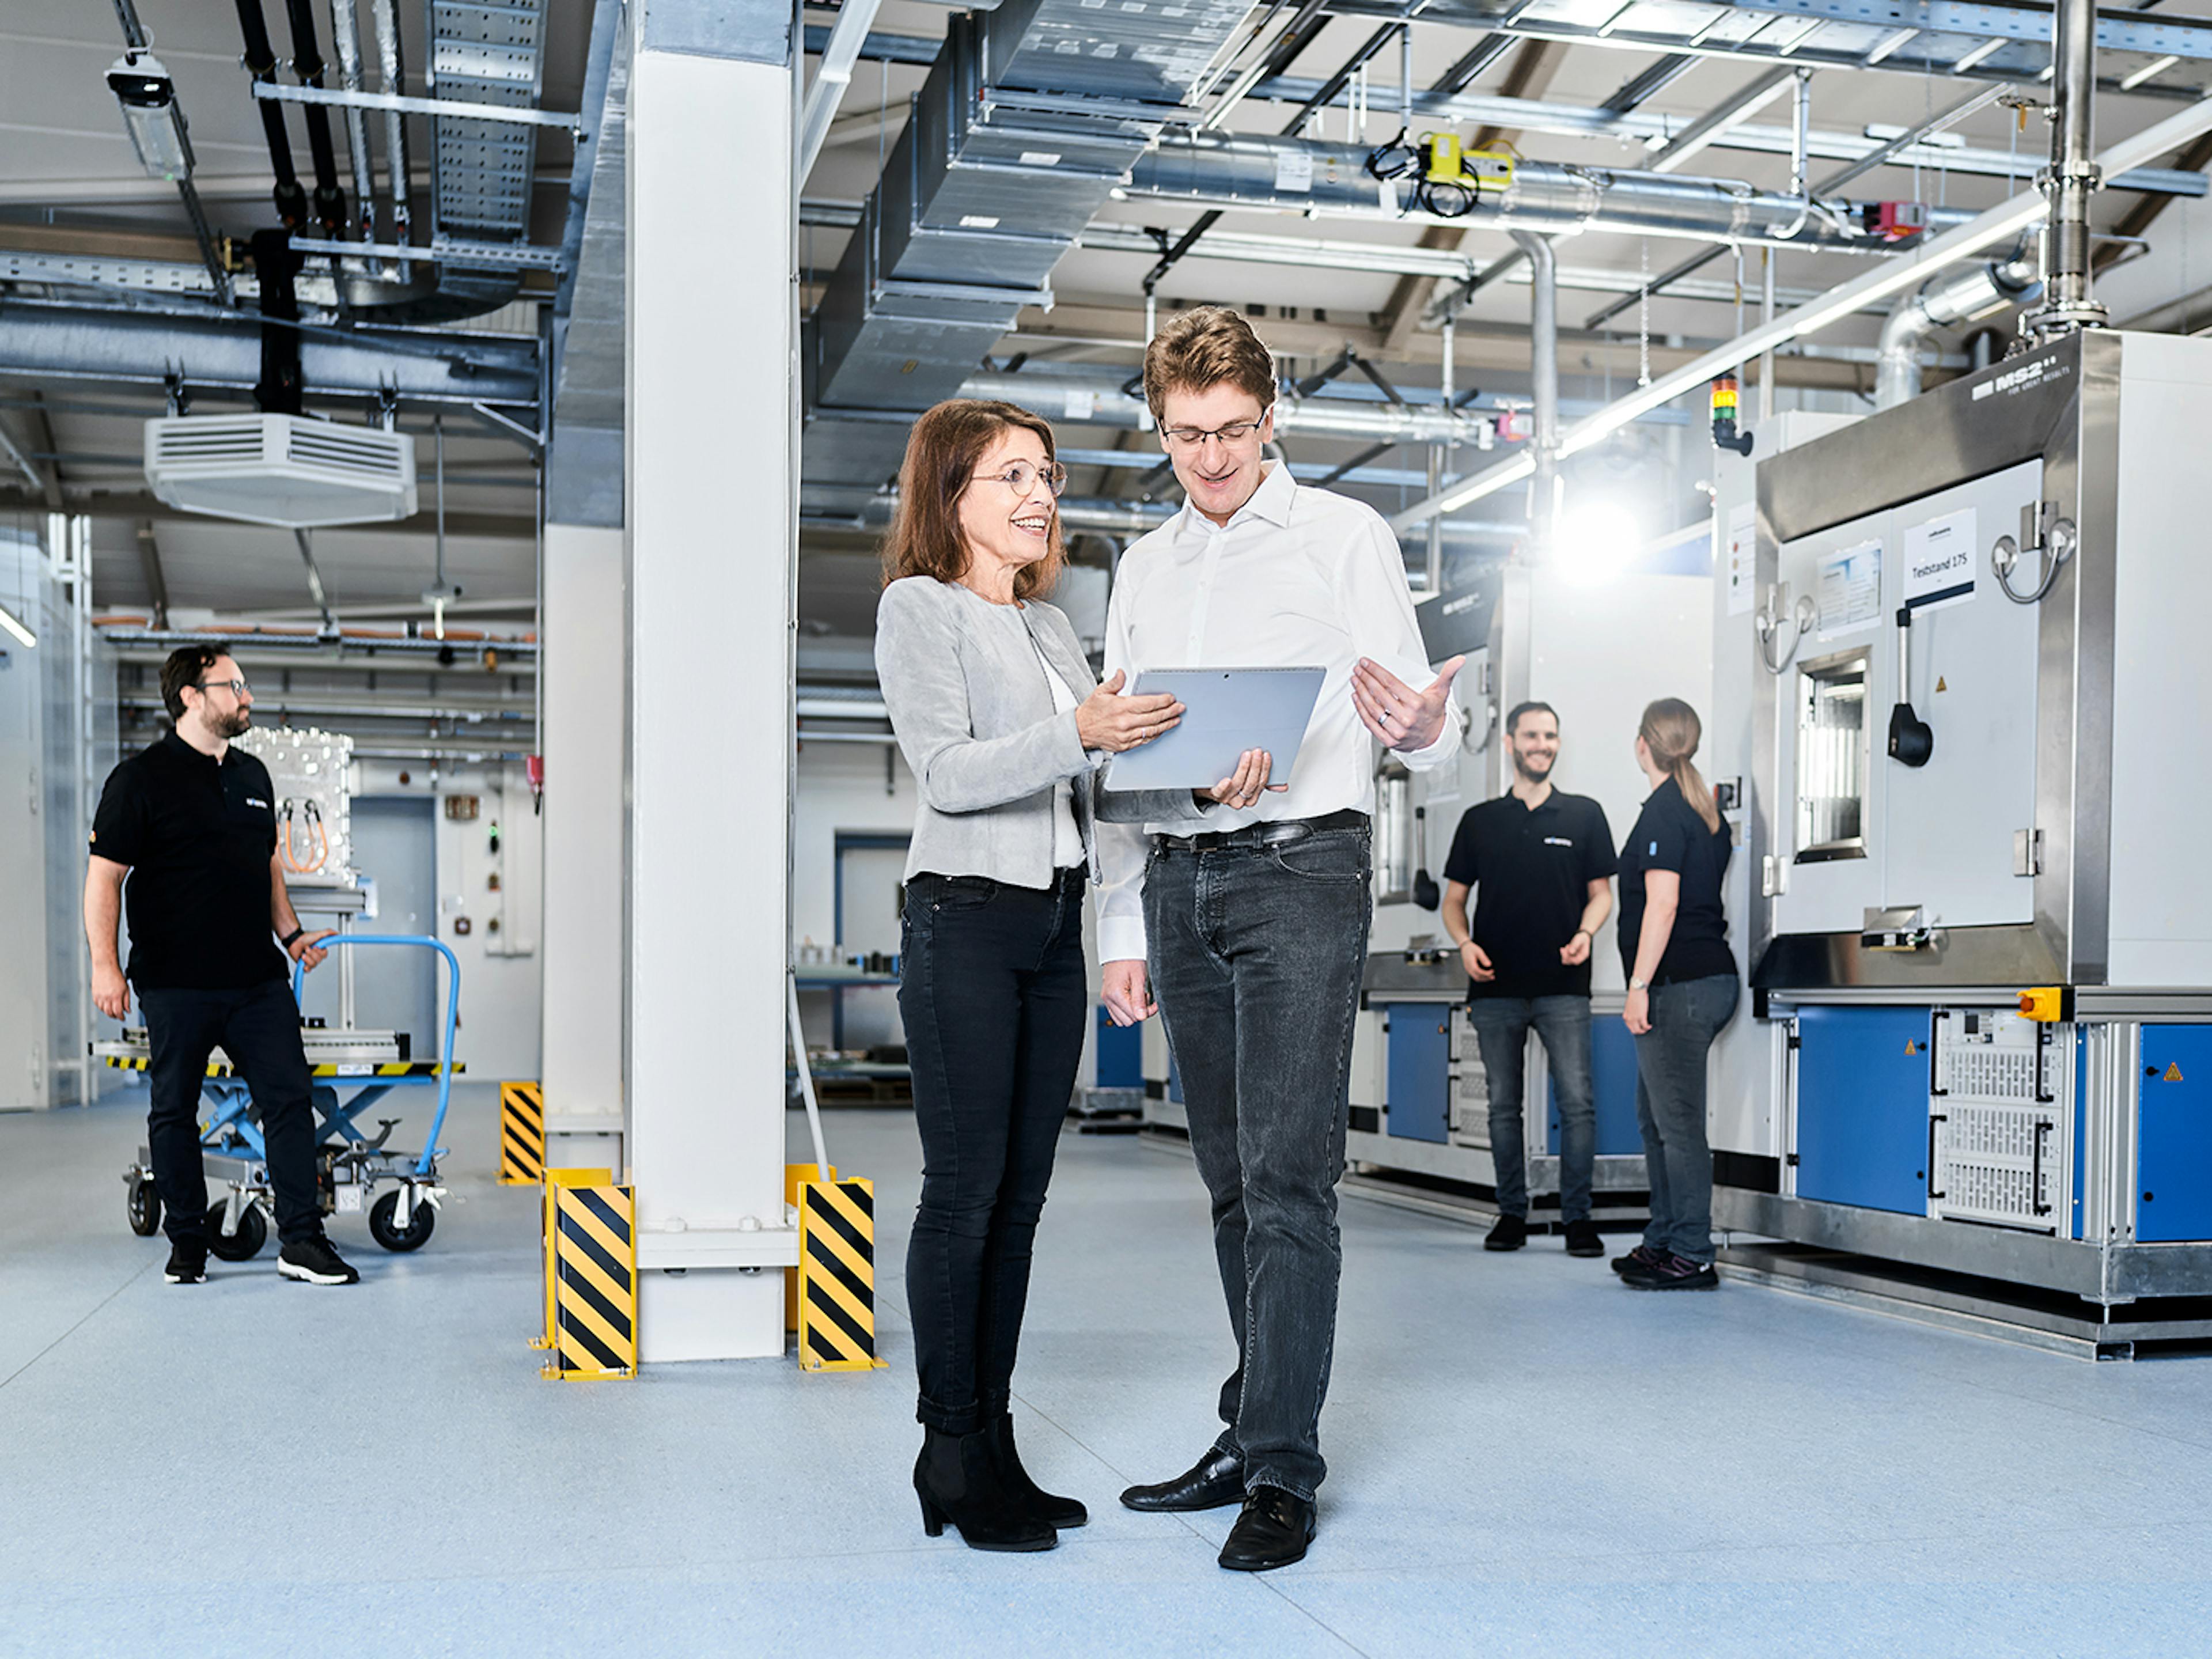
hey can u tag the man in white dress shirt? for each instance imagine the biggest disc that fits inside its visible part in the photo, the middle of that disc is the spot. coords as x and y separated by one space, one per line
1252 932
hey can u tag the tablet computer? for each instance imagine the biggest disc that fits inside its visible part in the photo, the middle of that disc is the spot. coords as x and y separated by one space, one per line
1226 711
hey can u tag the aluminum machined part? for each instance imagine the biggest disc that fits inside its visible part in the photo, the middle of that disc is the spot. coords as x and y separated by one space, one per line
1250 171
1981 292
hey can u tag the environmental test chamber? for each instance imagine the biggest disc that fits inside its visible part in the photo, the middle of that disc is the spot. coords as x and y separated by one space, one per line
1980 1037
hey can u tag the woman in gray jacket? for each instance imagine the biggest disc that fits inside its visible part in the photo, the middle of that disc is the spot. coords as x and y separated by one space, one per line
999 718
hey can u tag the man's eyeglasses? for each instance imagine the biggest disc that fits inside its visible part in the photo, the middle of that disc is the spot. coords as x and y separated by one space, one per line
1021 477
237 688
1192 437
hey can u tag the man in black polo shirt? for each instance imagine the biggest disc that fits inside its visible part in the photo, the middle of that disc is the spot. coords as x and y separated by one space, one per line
1538 862
192 822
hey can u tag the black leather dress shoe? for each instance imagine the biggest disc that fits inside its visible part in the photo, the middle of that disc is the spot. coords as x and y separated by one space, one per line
1215 1479
1272 1532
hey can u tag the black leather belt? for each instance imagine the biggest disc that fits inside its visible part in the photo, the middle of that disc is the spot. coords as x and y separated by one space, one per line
1263 834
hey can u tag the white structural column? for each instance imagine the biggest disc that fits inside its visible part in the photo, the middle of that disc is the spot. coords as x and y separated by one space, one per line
712 437
583 743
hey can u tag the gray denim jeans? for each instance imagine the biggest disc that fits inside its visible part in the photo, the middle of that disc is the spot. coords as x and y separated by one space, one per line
1256 957
1501 1029
1686 1015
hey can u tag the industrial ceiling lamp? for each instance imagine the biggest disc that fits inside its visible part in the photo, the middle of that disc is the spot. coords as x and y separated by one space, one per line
150 110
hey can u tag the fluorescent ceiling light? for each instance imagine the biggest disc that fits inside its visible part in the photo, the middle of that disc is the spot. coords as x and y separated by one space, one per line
2156 66
1888 43
8 621
1987 48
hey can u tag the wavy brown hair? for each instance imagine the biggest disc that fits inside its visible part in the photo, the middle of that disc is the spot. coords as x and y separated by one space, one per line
941 456
1203 349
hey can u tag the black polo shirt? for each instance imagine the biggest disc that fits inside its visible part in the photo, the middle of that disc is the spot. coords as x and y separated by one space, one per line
1670 836
1531 869
197 834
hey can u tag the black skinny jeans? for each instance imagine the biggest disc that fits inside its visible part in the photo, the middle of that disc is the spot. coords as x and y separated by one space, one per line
258 1028
994 991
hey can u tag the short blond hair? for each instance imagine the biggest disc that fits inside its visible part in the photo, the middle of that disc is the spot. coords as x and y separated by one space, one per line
1202 349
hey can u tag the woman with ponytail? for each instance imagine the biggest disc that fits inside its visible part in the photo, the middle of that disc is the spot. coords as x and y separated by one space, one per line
1682 992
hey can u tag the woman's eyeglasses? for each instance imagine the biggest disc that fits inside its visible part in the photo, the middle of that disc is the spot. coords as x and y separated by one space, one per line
1021 477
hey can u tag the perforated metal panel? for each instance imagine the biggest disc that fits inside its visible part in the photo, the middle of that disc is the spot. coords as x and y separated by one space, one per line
2003 1088
486 51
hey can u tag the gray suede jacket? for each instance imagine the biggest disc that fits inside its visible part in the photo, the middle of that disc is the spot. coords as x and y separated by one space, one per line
974 716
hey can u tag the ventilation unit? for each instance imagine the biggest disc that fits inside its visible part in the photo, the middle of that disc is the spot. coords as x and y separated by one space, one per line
285 470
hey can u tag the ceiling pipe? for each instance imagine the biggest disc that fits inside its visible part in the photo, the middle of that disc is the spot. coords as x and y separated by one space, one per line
1982 291
1243 170
308 64
2072 178
1886 277
392 70
1544 377
345 40
290 200
1090 403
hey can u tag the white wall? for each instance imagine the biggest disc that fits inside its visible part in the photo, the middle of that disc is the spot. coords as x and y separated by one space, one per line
498 1037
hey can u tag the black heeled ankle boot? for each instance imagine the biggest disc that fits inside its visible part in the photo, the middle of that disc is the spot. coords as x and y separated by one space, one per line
1048 1507
957 1481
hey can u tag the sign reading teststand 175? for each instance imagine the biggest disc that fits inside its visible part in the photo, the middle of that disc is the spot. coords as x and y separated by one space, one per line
1941 562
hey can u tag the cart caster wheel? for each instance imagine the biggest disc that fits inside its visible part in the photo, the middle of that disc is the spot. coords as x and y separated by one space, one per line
383 1229
244 1244
144 1205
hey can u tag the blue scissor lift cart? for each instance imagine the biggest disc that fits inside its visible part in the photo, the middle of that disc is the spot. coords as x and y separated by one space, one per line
353 1069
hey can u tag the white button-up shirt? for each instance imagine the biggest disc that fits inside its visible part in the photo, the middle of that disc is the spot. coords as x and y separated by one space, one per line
1297 577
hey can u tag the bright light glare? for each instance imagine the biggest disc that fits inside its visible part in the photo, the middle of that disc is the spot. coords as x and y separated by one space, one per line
1596 540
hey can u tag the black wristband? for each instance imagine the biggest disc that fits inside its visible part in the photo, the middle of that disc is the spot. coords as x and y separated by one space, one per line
286 942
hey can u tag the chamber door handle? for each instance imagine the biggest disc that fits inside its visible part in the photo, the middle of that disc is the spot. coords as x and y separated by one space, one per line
1934 1118
2035 1177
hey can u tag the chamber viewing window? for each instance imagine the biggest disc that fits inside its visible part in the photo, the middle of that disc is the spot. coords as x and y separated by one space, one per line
1832 758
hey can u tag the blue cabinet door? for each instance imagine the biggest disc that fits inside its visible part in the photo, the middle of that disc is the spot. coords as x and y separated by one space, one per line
1862 1108
1120 1054
2174 1147
1420 1093
1612 1091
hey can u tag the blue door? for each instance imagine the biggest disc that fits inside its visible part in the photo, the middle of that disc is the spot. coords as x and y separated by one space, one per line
2174 1148
1420 1070
1862 1108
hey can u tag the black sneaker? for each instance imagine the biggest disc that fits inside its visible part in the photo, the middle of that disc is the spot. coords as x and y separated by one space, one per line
1676 1273
1510 1233
1641 1257
312 1262
1583 1239
187 1265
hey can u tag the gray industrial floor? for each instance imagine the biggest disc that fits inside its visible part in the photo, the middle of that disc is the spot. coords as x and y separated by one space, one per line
1527 1458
